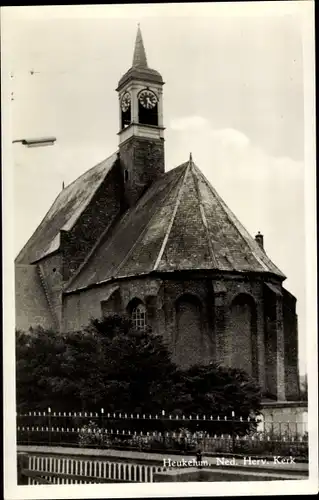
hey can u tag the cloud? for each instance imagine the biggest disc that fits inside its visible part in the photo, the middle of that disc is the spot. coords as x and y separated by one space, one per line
230 136
189 123
230 153
226 136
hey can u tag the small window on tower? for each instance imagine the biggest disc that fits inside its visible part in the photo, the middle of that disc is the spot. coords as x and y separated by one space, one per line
125 175
139 317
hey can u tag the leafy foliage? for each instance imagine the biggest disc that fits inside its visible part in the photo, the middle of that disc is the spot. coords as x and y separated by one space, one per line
108 364
303 388
111 365
218 390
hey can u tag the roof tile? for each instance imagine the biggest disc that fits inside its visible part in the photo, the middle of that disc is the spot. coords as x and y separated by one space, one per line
180 223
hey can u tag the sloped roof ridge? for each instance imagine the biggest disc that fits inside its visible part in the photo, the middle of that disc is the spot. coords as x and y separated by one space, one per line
89 170
147 225
63 192
178 199
68 285
75 217
203 216
240 228
233 220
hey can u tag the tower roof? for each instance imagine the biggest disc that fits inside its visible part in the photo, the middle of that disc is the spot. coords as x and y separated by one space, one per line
179 224
139 57
140 69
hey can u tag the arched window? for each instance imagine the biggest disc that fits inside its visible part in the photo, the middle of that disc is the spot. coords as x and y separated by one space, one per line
139 316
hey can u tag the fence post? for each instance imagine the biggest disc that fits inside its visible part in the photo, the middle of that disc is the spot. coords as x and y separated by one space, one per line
49 420
102 422
102 418
233 432
163 427
22 463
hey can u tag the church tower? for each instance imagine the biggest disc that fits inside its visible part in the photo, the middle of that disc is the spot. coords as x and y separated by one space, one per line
141 135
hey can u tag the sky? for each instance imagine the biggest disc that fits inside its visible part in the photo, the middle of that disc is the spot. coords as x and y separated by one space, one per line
233 96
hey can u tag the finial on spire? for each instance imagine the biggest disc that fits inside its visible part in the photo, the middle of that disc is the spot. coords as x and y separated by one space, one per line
62 184
139 57
190 157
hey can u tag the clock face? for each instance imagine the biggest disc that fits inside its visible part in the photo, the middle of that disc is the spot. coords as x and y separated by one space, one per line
148 99
125 102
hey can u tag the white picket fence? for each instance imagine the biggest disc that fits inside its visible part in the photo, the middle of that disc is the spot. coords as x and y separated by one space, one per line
89 471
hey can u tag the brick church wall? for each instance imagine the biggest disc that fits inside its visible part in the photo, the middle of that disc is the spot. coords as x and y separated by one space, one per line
291 347
160 299
250 288
51 270
80 308
197 289
216 298
275 342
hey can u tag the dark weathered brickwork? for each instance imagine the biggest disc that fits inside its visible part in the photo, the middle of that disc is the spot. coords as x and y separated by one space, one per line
291 347
143 160
106 204
112 305
188 341
198 321
243 334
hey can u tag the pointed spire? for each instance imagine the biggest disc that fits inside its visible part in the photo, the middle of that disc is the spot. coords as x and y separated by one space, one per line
139 57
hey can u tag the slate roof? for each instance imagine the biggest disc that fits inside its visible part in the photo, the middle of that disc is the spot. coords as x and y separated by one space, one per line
64 212
180 223
139 55
140 69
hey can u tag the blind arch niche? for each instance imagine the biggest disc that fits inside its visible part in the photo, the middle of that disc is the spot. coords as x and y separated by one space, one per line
188 341
242 343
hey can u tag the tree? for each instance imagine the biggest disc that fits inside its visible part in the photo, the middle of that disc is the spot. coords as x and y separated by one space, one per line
111 365
304 388
37 360
131 369
108 364
218 390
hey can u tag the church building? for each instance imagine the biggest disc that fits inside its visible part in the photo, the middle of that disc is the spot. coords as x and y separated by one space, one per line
162 247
